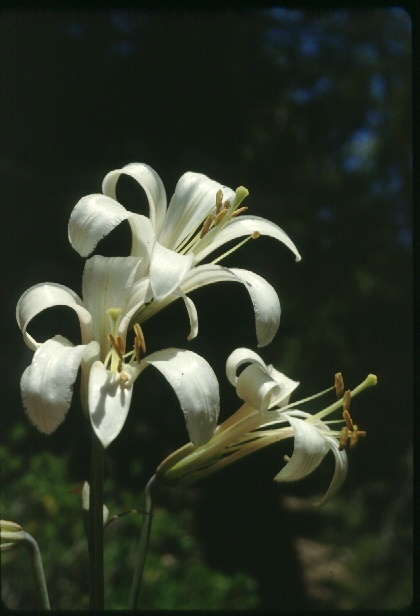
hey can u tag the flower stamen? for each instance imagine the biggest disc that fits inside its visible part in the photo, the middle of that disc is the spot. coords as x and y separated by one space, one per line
253 236
348 420
339 384
140 337
219 200
207 225
241 210
344 435
116 345
220 216
346 400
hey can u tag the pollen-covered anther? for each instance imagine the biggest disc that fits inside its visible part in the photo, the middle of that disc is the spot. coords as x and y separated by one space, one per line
255 235
348 420
206 226
354 436
346 400
121 345
220 216
339 384
240 210
219 200
344 435
140 337
116 345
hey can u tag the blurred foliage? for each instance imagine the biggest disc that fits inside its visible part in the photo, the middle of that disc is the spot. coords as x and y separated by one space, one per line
36 491
312 111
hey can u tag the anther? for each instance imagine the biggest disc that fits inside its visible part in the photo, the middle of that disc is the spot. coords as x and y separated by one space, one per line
121 344
115 346
123 378
239 211
206 226
339 384
347 419
137 349
344 435
255 235
346 400
219 200
355 436
220 216
139 334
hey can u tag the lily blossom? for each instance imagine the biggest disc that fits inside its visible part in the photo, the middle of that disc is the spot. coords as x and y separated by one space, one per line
172 242
267 417
112 294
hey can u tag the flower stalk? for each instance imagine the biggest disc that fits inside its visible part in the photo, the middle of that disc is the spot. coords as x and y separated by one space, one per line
96 524
143 545
13 535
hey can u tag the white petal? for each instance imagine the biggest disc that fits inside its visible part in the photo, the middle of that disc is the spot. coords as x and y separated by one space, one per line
92 218
144 238
151 184
192 314
263 296
257 388
238 358
91 354
247 225
310 448
340 471
193 199
46 295
196 387
167 270
107 283
109 402
287 387
47 384
266 304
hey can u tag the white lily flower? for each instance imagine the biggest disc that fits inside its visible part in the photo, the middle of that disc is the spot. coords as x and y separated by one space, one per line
201 217
112 294
267 417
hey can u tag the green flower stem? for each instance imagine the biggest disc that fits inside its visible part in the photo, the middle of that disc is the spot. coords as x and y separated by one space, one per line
37 569
96 524
142 547
13 535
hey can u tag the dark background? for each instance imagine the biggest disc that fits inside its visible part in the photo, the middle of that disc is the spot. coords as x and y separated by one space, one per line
311 111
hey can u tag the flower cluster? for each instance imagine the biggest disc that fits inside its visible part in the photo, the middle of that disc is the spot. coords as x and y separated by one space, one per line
120 293
267 417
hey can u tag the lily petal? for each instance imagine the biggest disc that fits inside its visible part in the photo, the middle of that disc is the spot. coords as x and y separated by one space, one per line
47 384
46 295
247 225
340 471
193 199
105 283
257 388
167 270
92 218
196 387
287 387
192 315
151 183
263 296
109 402
310 448
238 358
144 238
266 304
